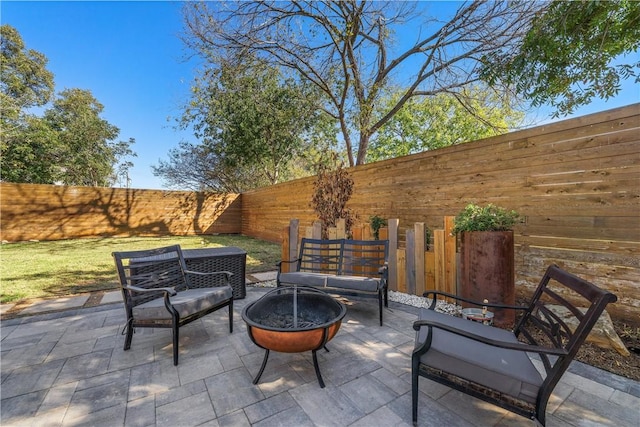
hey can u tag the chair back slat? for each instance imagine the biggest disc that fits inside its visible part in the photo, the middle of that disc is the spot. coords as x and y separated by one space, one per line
545 326
150 269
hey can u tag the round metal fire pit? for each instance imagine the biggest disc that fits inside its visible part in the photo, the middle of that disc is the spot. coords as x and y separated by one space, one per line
293 320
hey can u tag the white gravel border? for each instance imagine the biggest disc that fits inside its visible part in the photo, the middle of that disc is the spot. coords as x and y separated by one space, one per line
399 297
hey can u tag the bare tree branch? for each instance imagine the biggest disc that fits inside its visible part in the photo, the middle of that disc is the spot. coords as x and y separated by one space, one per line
347 49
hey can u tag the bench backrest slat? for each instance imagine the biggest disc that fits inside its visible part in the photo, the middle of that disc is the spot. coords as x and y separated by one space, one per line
343 256
320 256
364 257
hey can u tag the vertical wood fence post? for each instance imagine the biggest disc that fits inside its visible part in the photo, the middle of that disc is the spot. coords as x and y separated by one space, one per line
392 230
438 250
284 267
317 230
418 256
450 256
410 261
294 224
341 228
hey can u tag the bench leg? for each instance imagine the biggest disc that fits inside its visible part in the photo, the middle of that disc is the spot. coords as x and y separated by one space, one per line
380 306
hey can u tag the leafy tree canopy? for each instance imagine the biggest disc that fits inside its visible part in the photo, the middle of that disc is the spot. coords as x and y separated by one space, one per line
568 56
70 144
348 50
87 151
25 81
556 52
440 121
252 121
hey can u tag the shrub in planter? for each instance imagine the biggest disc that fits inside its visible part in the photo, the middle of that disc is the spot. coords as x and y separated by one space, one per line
487 218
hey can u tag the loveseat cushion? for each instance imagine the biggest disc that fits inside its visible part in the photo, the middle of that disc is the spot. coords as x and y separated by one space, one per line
508 371
304 278
364 284
187 302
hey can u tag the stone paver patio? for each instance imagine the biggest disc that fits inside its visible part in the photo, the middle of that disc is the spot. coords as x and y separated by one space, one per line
68 368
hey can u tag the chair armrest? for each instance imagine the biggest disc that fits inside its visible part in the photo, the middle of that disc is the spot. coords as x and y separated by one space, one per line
169 291
210 273
470 301
501 344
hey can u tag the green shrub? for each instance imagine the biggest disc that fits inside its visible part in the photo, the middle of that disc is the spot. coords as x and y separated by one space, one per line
487 218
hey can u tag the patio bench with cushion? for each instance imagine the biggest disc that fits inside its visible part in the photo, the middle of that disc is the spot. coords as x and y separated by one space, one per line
157 292
342 266
493 364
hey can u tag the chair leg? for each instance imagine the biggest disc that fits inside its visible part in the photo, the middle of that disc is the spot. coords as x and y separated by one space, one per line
129 337
231 316
414 389
176 338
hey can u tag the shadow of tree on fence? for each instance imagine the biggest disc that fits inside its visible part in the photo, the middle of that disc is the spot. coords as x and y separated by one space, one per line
48 212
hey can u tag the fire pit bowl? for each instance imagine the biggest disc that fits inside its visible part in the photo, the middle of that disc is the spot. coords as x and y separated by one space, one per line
293 320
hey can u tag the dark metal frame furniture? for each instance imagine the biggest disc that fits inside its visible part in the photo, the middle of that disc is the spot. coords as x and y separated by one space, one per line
157 293
492 363
342 266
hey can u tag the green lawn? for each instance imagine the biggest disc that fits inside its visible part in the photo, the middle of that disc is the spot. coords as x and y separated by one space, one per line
65 267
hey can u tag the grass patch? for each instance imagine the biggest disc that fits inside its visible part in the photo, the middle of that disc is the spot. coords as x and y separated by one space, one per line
65 267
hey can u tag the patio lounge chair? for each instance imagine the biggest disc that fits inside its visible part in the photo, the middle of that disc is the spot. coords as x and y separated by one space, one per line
492 364
157 292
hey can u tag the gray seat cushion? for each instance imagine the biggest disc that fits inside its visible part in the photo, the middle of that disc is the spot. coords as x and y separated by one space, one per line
364 284
186 303
304 278
508 371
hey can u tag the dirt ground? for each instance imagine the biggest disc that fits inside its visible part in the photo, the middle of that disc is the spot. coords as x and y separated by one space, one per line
612 361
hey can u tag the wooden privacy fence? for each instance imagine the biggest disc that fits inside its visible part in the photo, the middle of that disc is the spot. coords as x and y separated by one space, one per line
53 212
575 184
412 269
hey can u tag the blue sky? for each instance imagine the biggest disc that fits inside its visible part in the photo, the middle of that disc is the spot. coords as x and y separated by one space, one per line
129 55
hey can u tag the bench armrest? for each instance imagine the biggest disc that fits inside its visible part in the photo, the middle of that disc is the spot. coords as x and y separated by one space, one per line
501 344
279 264
467 300
384 270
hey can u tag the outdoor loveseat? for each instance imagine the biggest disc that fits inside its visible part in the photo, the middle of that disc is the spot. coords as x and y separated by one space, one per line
342 266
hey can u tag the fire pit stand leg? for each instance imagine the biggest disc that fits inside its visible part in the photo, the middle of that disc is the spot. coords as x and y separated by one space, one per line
317 368
264 364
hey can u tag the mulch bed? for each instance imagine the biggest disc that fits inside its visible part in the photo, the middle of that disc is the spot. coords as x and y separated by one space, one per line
612 361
